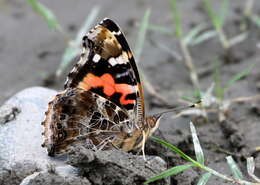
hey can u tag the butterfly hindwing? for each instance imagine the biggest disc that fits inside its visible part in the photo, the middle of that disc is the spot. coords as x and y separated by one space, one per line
109 69
77 115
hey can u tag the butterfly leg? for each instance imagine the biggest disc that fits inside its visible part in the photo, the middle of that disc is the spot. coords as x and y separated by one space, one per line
143 145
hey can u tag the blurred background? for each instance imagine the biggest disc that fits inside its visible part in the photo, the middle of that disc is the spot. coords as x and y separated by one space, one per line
31 52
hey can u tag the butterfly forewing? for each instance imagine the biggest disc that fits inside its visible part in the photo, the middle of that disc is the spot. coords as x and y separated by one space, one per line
109 70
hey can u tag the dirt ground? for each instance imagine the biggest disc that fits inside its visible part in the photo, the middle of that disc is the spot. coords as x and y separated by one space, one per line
30 52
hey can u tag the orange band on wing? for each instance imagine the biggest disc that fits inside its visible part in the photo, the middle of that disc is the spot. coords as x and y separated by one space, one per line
109 86
90 81
125 89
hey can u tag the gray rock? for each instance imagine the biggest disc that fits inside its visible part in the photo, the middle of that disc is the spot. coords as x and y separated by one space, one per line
116 167
21 137
21 153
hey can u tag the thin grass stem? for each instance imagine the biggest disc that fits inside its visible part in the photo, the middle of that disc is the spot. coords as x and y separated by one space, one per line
244 99
189 64
223 38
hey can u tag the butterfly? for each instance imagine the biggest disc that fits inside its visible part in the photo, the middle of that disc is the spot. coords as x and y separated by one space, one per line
102 106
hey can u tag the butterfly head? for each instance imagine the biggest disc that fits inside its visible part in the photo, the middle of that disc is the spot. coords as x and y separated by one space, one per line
153 122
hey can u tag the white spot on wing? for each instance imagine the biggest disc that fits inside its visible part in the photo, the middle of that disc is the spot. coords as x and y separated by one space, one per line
96 58
122 59
117 33
112 61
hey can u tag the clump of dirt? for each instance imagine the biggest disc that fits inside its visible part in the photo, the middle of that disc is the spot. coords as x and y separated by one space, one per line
115 167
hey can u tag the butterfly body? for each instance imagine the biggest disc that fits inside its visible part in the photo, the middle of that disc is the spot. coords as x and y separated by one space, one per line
102 106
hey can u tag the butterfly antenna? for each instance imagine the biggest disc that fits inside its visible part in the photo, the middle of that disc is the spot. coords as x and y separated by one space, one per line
178 109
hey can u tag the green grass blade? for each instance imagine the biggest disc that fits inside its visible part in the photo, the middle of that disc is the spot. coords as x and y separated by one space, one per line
204 179
174 149
193 32
234 168
46 13
161 29
215 19
73 48
189 99
198 94
223 11
176 19
197 147
239 76
203 37
193 96
172 171
142 34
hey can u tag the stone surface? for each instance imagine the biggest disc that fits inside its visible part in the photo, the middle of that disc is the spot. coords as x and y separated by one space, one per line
21 153
21 137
